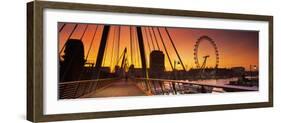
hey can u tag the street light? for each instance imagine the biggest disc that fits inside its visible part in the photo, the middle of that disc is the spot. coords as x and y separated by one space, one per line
251 72
175 66
255 67
175 63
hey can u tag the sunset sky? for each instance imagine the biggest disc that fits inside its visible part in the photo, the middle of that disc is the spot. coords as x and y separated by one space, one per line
236 48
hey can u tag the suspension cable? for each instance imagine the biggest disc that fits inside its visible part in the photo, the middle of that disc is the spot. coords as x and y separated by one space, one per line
165 49
62 27
174 48
83 69
121 56
155 38
134 46
68 38
71 60
131 44
93 38
112 50
146 37
151 38
118 44
84 32
106 45
149 49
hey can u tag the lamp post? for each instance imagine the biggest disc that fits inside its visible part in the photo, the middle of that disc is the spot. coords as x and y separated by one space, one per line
175 64
175 69
251 72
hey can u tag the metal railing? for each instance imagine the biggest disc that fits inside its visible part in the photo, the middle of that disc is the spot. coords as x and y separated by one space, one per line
165 86
76 89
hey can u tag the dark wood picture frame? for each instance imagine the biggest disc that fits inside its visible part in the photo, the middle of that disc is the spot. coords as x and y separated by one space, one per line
35 60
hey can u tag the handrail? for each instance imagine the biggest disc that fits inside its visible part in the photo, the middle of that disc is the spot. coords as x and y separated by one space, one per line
205 84
85 81
76 89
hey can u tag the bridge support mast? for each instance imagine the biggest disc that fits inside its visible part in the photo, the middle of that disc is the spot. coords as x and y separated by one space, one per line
142 53
102 47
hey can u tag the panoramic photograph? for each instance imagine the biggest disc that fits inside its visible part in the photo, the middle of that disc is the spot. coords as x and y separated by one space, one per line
101 60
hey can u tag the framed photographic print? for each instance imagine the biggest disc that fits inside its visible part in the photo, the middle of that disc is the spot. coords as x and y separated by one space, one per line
95 61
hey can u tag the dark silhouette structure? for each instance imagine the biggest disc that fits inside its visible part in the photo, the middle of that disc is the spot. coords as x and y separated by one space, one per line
73 61
156 68
79 79
156 64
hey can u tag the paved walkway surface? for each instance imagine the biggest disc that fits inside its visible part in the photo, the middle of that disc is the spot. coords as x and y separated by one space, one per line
117 89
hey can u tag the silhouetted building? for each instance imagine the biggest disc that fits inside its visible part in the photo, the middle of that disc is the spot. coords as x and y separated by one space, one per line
73 61
238 71
156 64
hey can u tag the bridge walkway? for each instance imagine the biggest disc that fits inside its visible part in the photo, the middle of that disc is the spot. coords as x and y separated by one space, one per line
117 89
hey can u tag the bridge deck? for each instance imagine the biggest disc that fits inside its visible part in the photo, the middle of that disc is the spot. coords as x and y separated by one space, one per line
119 88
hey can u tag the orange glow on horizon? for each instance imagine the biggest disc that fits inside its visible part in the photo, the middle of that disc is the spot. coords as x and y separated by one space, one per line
236 48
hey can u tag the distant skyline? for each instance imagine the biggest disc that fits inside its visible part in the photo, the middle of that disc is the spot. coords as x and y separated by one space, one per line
236 47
